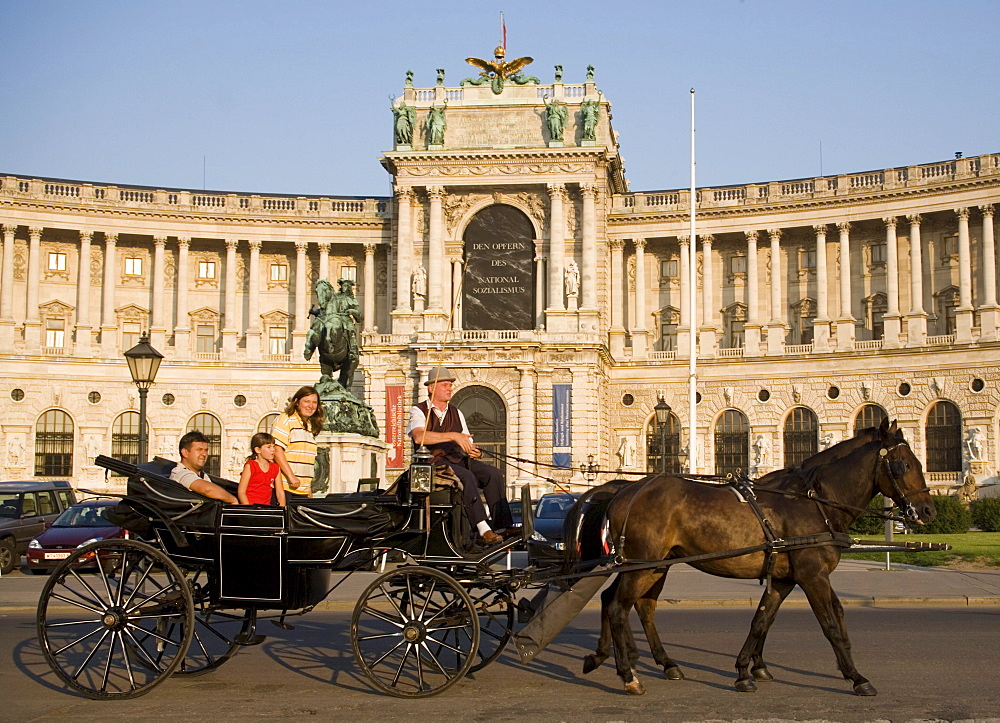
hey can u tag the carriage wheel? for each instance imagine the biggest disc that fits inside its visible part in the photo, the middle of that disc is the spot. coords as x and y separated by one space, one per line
213 640
414 632
119 630
496 623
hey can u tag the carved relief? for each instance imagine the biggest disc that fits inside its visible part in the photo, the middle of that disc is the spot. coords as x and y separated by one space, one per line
169 272
533 202
20 260
96 265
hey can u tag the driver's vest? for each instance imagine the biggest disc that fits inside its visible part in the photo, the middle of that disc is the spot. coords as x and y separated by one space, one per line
452 422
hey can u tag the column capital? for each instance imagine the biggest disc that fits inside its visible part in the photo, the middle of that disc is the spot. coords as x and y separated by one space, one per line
254 244
183 243
110 238
844 227
35 232
301 246
707 239
820 229
435 193
159 241
323 246
616 243
8 228
914 219
369 247
86 236
962 213
556 190
774 233
404 194
986 210
639 243
231 244
683 240
588 189
751 235
890 222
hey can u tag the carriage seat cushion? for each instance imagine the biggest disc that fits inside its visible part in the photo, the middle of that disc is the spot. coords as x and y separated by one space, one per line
351 514
188 509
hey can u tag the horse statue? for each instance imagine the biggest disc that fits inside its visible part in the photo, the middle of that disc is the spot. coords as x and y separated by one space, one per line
333 333
668 516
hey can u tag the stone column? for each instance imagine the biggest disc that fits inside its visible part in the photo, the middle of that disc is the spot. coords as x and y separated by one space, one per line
891 319
776 327
964 312
686 331
821 324
916 320
435 257
845 322
84 331
254 349
526 425
182 330
324 261
369 272
751 329
404 250
540 284
617 340
639 330
557 246
32 322
109 324
158 325
456 286
588 274
301 299
230 322
709 332
989 311
7 323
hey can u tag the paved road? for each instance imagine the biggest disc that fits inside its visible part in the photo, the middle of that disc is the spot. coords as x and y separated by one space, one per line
927 662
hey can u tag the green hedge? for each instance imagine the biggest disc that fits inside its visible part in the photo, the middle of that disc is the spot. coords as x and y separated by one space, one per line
986 514
870 524
952 517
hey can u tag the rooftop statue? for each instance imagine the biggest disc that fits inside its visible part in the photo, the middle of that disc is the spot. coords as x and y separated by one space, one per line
556 113
497 72
404 121
436 125
590 111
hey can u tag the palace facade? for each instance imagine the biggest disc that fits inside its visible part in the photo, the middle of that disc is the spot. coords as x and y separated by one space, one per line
514 252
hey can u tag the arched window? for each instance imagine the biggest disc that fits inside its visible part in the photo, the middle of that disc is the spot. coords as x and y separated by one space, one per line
732 442
209 425
486 415
871 415
54 444
267 422
663 446
944 438
125 437
801 436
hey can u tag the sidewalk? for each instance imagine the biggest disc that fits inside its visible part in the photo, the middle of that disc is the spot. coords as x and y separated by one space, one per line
857 583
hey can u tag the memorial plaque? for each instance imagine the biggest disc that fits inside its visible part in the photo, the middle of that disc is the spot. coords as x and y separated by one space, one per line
499 287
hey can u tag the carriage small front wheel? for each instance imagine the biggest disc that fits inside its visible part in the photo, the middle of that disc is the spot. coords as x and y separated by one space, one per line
115 619
415 632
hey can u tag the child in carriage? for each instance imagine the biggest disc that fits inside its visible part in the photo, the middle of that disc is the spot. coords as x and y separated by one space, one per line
259 473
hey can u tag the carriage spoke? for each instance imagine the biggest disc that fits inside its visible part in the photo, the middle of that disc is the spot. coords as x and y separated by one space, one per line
382 616
78 641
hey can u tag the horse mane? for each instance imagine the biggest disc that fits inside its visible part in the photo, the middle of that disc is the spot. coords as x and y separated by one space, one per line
581 528
803 472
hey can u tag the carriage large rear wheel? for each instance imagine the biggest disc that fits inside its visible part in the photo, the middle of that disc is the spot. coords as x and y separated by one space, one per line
217 634
121 629
415 632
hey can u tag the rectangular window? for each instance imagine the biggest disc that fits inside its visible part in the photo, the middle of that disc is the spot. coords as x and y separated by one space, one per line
133 267
206 269
878 254
131 330
807 259
668 337
57 262
668 269
276 344
738 264
205 338
55 333
279 272
949 246
349 272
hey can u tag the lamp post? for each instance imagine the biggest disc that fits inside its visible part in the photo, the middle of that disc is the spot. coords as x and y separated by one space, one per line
662 411
589 470
143 363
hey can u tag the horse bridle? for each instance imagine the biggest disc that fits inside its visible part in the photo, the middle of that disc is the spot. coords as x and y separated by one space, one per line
894 470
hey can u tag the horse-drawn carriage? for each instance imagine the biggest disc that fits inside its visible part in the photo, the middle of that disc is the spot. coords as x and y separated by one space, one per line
192 583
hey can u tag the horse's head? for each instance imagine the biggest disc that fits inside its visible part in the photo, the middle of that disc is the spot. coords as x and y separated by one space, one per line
900 477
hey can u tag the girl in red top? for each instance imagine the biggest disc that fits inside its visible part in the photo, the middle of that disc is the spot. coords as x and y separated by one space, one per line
259 473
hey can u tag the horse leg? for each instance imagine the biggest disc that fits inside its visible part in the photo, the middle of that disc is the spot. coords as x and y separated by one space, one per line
753 648
646 607
630 588
830 613
593 661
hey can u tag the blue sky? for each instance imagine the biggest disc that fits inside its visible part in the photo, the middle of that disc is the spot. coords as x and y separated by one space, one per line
293 97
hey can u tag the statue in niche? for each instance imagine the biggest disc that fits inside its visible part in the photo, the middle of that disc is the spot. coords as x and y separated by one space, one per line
15 450
761 450
626 453
404 121
419 283
826 441
559 72
572 275
556 113
436 125
974 444
590 113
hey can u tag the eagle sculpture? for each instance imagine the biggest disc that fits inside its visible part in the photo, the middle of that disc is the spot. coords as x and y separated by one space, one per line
497 71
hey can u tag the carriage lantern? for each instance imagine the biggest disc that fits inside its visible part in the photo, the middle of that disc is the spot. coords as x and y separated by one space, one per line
143 363
421 471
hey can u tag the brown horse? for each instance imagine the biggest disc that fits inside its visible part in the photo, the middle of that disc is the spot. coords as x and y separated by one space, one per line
668 516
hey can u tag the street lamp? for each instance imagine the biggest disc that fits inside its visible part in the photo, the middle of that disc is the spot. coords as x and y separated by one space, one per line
662 411
589 470
143 363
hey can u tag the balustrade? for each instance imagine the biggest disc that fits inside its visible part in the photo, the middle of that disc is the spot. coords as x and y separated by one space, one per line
212 201
58 189
798 348
278 204
136 196
868 345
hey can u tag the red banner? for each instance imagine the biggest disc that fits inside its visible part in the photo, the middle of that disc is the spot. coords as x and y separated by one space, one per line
395 426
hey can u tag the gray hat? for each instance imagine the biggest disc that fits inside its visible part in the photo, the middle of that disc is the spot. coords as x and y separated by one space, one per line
438 374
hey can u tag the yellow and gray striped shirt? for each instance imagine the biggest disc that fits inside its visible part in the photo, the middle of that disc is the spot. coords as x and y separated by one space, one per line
299 445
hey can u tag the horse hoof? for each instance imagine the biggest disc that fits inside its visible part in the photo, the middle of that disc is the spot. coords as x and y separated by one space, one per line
590 664
635 688
745 685
865 688
762 675
673 673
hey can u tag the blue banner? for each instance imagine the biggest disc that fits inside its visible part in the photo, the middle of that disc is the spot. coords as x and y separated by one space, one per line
562 428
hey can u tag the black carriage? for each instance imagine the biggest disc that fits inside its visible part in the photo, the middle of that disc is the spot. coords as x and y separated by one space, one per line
188 588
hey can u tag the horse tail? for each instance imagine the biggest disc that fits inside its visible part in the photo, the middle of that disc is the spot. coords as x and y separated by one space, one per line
585 520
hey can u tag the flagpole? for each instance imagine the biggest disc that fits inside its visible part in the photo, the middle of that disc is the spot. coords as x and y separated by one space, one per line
693 318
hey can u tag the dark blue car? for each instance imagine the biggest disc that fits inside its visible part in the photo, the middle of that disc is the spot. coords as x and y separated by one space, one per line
546 544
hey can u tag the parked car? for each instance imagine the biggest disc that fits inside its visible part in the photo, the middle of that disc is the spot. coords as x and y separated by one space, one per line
546 544
79 525
26 509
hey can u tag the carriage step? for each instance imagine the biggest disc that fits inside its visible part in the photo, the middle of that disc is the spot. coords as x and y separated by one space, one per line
244 639
283 625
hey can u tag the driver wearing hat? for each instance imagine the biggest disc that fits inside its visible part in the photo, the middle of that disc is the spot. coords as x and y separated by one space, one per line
441 427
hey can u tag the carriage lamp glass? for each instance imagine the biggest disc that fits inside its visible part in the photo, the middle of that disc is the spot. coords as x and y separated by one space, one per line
421 471
662 411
